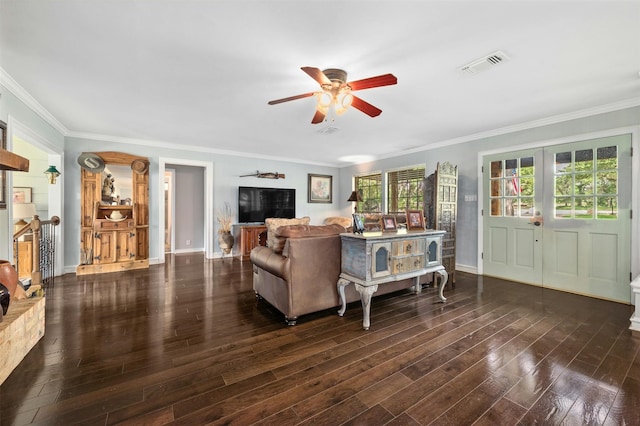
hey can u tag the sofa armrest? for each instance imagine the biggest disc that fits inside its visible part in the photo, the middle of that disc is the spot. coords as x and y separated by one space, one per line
274 263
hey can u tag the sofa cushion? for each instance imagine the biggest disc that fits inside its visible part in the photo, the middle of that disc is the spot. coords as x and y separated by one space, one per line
277 243
304 231
340 220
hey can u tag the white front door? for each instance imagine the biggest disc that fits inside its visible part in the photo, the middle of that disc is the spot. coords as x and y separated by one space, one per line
560 217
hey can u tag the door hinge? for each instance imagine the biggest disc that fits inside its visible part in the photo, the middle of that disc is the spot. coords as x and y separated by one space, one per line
482 255
481 169
98 257
631 153
98 236
481 212
630 213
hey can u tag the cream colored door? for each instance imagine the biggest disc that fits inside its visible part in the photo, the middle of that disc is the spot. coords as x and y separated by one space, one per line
512 239
560 217
587 227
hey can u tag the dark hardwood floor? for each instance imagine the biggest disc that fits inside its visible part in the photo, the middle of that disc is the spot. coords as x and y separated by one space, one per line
187 343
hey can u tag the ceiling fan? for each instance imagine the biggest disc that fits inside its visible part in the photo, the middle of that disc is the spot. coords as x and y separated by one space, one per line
336 92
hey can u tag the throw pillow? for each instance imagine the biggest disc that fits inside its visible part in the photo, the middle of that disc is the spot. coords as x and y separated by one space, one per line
273 241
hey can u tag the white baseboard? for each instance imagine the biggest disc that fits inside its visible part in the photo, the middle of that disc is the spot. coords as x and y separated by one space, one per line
467 268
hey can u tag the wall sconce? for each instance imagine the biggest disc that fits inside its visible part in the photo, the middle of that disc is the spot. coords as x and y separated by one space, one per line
52 173
355 196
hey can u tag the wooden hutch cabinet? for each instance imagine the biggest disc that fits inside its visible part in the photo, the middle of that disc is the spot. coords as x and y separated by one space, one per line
111 245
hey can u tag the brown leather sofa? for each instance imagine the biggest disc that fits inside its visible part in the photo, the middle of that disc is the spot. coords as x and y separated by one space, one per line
303 277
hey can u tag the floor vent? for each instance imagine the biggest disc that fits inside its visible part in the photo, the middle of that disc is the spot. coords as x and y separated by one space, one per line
484 63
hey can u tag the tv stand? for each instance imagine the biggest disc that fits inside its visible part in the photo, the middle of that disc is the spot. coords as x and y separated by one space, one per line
250 238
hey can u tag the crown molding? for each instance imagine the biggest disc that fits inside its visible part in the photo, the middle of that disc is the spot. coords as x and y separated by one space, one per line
18 91
192 148
587 112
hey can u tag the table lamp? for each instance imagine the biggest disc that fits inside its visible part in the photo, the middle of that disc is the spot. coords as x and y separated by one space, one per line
22 211
355 196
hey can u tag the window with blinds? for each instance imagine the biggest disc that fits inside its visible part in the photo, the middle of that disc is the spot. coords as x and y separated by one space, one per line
370 189
405 190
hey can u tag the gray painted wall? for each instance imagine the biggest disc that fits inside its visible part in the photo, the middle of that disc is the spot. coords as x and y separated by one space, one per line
465 156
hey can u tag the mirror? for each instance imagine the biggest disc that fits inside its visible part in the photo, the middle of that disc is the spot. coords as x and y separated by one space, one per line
117 183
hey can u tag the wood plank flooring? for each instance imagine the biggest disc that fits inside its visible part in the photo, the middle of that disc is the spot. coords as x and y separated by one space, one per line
187 343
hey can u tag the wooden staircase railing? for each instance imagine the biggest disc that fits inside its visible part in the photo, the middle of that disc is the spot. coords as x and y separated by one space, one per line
42 233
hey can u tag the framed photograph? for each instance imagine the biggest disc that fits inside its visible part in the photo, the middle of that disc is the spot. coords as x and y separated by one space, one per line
389 224
358 223
320 188
3 173
21 194
415 220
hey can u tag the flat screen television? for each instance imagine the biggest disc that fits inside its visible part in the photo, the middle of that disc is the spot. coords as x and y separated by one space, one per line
256 204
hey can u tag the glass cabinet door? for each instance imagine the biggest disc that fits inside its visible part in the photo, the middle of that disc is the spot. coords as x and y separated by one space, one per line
434 251
380 256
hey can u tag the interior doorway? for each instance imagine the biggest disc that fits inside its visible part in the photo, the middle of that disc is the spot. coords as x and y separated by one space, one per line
169 210
206 195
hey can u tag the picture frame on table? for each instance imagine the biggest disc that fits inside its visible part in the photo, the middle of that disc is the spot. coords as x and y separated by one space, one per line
415 220
358 223
388 223
22 194
320 189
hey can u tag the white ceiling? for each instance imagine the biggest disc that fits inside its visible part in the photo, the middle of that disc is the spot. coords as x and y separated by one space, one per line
200 73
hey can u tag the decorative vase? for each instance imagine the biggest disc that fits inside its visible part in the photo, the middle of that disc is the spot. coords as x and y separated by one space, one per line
8 277
225 240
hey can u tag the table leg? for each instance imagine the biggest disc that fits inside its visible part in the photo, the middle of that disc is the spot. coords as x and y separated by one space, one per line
342 283
445 277
417 288
365 296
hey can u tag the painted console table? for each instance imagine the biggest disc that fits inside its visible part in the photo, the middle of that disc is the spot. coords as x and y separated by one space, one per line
371 260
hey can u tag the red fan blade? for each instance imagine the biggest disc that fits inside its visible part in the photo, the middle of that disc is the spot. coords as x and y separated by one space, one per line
365 107
318 117
368 83
291 98
316 74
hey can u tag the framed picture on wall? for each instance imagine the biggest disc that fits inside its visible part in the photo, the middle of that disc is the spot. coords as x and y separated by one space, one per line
3 173
320 188
21 194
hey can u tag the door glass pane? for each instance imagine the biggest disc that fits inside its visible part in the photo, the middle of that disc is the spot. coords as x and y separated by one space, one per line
526 206
496 169
564 185
584 207
607 208
607 158
563 162
496 207
563 207
526 187
583 184
607 182
584 160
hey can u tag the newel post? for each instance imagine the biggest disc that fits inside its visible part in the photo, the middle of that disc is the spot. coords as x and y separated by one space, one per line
36 275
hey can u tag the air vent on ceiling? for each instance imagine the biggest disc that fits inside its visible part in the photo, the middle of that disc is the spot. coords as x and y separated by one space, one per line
484 63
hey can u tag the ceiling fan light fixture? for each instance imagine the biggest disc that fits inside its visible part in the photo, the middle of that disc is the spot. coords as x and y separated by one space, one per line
343 102
325 99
